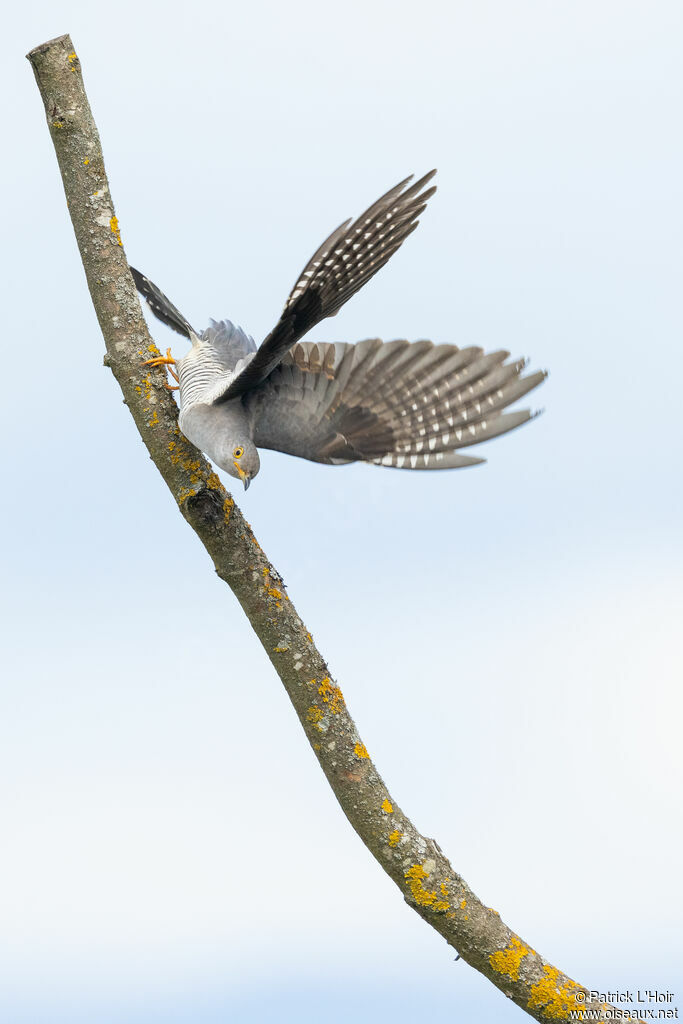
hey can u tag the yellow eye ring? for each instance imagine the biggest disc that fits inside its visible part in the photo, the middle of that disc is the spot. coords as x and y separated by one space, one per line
238 452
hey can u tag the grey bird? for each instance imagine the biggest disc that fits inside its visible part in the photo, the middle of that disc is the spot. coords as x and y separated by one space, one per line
408 405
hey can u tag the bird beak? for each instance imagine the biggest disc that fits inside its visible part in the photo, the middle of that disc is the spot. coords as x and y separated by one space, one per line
244 477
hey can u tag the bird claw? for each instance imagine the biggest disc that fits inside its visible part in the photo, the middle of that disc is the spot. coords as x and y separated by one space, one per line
169 362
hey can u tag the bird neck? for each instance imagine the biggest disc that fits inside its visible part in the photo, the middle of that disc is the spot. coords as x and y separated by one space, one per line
208 426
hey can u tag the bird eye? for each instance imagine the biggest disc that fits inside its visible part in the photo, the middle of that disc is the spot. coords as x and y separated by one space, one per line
238 452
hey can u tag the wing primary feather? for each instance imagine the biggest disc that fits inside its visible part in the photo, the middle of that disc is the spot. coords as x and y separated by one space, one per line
394 404
346 260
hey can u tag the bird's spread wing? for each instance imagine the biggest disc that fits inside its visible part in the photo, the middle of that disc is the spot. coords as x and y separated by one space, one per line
344 262
412 406
161 306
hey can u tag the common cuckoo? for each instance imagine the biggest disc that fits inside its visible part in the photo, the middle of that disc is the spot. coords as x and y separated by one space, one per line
408 405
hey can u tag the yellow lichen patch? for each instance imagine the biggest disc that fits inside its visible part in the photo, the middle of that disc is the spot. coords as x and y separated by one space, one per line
444 890
274 593
213 482
332 695
314 715
180 454
185 493
316 746
387 807
73 61
194 468
395 838
360 750
415 877
155 419
309 638
86 161
280 650
153 350
114 225
228 506
557 1001
463 904
507 961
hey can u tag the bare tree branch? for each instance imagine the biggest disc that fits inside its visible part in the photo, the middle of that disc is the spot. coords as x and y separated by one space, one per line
416 864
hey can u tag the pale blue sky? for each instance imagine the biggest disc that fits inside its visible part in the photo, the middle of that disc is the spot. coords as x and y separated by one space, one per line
508 638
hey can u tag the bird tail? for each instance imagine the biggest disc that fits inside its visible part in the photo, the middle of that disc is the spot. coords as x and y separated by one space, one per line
161 305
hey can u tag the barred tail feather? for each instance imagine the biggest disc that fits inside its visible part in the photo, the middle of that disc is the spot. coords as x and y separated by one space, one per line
161 305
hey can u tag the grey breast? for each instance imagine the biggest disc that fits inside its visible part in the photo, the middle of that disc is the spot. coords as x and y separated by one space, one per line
217 356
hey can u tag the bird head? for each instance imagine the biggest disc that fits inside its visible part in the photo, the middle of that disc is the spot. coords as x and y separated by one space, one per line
239 457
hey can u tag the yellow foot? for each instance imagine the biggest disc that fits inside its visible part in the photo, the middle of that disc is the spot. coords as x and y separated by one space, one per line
169 362
166 360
